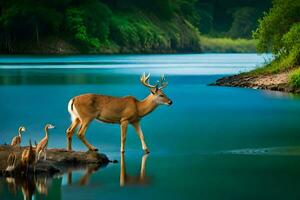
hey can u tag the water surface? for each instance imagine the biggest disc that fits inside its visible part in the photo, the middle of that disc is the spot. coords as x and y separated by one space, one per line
212 143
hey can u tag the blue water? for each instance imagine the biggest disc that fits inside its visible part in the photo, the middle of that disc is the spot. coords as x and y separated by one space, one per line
212 143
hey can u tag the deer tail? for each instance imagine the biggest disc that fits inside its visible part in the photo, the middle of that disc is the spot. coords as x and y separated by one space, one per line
72 110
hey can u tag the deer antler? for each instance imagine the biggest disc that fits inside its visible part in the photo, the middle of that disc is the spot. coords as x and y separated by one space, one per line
145 81
163 82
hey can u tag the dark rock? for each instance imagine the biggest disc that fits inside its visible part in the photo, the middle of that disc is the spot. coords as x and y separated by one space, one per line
58 161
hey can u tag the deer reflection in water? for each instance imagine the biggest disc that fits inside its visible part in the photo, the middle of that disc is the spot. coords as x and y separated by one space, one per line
126 179
84 180
32 185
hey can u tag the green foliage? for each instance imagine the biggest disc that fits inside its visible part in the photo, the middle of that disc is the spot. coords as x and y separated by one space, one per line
227 45
76 26
146 35
89 24
294 78
243 23
279 31
123 26
275 24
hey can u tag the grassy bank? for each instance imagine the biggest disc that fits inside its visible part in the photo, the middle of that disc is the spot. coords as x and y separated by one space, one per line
279 32
227 45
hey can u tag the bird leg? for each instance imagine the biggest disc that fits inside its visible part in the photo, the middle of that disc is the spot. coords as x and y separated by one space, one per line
39 154
45 155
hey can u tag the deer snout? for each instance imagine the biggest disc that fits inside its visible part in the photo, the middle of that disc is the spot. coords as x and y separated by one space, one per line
170 102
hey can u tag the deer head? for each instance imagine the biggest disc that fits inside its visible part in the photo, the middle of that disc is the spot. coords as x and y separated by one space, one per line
157 89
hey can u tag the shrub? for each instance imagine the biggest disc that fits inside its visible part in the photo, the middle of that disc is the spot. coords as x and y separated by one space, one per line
294 78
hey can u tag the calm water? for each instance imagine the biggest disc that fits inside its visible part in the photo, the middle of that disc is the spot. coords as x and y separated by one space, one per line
212 143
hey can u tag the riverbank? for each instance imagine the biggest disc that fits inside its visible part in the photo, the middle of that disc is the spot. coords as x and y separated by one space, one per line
277 82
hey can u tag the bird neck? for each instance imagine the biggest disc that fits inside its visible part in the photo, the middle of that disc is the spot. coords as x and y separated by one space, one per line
147 105
46 131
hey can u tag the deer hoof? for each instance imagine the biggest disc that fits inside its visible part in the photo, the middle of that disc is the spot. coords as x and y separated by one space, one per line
146 151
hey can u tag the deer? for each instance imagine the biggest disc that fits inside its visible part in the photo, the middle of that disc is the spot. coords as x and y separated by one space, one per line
115 110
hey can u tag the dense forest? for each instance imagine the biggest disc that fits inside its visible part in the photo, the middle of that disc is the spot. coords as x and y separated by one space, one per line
127 26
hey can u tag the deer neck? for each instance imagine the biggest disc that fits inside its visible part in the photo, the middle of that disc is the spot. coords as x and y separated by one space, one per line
146 106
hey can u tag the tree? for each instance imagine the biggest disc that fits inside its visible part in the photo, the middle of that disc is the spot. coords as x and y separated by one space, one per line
275 24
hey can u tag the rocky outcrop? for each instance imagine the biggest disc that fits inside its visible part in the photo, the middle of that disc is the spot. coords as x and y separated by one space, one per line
58 161
276 82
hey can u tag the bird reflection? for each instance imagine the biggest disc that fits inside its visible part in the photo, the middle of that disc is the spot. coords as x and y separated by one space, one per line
11 183
41 184
29 185
126 179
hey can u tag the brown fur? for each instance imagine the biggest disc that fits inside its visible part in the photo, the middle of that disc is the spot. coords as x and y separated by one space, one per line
118 110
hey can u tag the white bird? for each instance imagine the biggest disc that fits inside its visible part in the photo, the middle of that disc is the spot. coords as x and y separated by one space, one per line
16 141
43 144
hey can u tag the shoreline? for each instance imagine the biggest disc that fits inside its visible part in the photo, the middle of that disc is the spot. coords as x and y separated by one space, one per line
274 82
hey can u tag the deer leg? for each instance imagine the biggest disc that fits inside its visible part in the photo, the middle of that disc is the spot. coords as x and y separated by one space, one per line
141 136
124 126
81 136
70 133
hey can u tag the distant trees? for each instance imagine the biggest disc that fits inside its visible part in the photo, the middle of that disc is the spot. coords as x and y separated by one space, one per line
230 18
90 24
125 24
21 21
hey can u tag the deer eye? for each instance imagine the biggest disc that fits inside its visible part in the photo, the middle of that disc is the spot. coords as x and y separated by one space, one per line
161 95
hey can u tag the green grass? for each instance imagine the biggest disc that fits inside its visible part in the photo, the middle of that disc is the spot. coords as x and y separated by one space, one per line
227 45
294 78
279 64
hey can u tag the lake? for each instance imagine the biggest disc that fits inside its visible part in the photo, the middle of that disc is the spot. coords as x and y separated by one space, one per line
212 143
